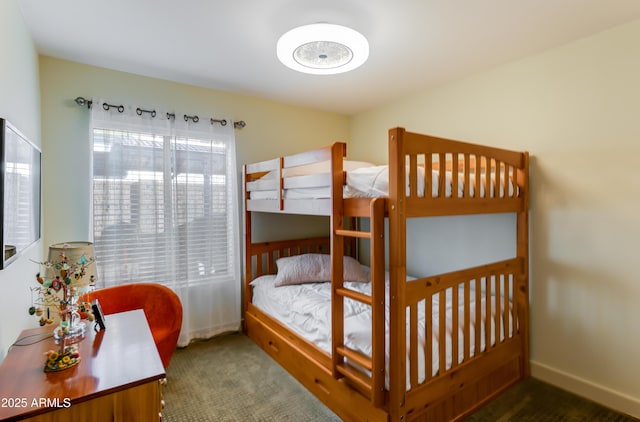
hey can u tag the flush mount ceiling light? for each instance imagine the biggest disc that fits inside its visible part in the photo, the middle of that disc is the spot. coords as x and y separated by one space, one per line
323 49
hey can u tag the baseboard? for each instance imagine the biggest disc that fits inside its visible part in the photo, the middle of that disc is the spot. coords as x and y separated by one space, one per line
595 392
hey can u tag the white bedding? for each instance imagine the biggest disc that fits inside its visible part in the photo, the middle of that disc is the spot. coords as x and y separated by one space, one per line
306 309
368 181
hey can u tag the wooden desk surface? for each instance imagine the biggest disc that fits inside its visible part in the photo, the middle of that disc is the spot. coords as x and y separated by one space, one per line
122 356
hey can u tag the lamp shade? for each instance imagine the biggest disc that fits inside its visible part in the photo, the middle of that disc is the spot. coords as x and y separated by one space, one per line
73 262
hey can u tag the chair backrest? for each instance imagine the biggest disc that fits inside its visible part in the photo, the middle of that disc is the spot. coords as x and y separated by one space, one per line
161 305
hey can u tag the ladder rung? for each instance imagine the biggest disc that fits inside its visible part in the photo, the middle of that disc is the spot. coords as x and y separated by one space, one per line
354 233
356 357
360 380
352 294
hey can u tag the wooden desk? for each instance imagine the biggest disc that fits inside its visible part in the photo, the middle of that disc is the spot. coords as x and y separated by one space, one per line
118 377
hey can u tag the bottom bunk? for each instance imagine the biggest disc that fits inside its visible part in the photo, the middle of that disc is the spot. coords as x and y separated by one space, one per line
482 351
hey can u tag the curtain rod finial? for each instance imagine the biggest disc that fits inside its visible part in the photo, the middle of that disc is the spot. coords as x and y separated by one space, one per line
239 125
81 101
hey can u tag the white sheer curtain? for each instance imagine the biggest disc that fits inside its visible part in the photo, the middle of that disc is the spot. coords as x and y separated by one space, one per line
165 210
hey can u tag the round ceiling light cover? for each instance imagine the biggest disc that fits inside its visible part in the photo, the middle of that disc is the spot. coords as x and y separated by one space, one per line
322 49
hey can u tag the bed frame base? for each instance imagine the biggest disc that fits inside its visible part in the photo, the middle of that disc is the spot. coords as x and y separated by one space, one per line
335 394
472 387
452 398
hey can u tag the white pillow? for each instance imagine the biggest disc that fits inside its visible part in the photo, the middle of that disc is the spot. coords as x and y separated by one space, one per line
315 268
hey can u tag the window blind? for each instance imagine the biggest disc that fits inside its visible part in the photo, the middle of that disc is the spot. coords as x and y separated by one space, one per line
160 208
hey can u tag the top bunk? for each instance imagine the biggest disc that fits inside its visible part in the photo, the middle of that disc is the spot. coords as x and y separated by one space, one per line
426 176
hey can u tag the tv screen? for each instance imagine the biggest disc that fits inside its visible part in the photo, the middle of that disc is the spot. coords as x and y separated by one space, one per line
20 184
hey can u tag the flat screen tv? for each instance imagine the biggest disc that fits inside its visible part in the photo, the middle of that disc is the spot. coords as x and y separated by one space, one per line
20 192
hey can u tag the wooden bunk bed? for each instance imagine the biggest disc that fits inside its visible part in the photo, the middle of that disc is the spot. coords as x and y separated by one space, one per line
491 341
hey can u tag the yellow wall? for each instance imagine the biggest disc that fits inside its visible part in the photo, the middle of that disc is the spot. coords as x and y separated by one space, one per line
19 104
576 108
272 129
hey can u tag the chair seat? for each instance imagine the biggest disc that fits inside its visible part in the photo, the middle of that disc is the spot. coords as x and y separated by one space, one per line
160 304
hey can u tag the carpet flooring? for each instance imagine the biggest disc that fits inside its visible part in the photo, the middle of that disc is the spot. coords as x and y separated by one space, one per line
229 378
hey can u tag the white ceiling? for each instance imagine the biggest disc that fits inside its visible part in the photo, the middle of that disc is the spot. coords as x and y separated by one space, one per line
231 45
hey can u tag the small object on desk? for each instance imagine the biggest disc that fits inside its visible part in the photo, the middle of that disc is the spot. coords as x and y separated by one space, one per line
58 361
98 315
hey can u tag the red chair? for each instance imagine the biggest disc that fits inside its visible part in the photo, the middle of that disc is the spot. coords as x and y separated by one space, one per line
161 306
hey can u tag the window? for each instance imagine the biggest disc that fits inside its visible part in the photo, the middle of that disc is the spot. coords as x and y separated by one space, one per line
165 210
161 208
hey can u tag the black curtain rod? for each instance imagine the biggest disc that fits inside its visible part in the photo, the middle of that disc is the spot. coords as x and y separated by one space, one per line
81 101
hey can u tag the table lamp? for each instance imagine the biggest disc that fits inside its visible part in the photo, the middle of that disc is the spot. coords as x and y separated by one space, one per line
70 268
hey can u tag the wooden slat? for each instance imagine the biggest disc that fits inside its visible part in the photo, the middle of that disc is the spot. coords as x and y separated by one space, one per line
271 265
428 352
506 312
428 175
281 186
467 320
315 156
259 265
510 293
467 176
487 177
498 310
489 309
263 166
356 357
422 287
309 181
455 174
357 378
413 175
442 332
413 345
352 294
291 206
354 233
442 180
478 179
498 181
429 207
263 185
455 334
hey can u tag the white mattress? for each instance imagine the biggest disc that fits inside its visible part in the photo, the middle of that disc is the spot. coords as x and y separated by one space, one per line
369 181
306 309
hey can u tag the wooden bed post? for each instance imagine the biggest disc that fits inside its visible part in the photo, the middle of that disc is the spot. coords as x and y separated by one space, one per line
376 258
398 274
522 250
248 272
338 151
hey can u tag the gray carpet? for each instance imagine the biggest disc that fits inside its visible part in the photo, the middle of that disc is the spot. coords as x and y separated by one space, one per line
229 378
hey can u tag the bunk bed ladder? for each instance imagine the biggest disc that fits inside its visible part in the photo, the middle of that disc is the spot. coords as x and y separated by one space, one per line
346 361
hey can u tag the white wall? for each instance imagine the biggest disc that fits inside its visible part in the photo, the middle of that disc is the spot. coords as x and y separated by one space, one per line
576 109
19 104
